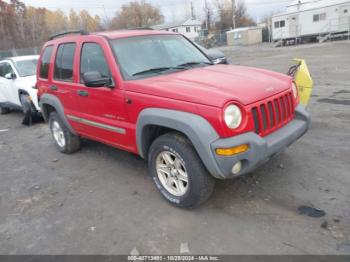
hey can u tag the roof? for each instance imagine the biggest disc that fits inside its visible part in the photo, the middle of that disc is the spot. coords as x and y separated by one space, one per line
241 29
186 22
21 58
305 5
130 33
110 35
317 2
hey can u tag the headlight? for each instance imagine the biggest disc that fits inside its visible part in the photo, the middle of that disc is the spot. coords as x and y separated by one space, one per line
233 116
295 91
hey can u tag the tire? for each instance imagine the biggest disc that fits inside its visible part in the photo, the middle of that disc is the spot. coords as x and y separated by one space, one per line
184 159
28 108
65 141
4 110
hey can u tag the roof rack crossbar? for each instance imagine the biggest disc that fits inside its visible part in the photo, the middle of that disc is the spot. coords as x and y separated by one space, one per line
80 32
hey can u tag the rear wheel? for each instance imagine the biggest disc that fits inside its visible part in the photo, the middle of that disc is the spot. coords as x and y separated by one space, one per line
178 172
65 141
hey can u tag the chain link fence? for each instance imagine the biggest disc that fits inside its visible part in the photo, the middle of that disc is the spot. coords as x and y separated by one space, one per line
212 38
19 52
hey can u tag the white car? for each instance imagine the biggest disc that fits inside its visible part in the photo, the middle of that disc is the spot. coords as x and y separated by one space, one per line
17 81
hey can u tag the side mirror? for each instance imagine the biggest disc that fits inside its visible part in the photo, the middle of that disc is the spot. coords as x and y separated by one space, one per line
10 76
95 79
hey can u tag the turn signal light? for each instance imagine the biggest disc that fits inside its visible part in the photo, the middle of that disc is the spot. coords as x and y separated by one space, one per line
232 151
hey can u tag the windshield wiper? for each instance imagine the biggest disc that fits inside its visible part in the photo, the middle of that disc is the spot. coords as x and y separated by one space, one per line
159 69
195 63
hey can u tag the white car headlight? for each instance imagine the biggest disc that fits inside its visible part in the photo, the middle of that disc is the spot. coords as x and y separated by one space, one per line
233 116
295 91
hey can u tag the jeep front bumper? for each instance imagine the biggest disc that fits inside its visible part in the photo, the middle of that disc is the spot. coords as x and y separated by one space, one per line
261 149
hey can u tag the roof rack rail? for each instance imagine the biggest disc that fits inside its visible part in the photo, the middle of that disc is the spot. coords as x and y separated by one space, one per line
141 28
80 32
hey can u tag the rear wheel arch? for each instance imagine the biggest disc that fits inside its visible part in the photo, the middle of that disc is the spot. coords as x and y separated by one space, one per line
49 103
46 110
22 92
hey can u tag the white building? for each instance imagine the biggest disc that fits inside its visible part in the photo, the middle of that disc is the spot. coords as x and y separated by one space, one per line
189 28
307 19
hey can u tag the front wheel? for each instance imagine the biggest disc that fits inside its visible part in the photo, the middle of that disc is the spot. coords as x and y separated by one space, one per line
178 172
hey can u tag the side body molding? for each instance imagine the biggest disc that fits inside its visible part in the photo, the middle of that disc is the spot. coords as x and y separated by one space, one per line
51 100
195 127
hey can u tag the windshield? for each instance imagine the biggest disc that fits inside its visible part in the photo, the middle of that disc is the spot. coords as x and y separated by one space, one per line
146 56
26 67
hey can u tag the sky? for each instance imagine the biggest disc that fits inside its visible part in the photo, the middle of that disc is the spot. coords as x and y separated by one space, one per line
173 10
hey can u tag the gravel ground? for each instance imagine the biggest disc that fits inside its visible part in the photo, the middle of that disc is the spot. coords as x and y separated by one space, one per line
101 201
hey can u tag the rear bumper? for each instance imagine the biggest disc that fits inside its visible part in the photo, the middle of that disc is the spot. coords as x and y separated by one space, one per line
261 149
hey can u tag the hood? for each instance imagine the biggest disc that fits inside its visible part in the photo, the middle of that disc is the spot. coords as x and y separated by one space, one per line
214 85
214 54
27 81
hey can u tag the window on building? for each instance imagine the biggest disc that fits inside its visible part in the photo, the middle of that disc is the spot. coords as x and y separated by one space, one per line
279 24
45 62
345 11
196 29
319 17
175 30
188 29
237 36
64 62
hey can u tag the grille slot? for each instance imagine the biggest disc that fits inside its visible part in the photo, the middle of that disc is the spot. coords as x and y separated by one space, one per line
273 114
256 120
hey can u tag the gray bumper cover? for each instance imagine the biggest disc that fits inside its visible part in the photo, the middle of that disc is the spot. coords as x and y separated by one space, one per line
261 148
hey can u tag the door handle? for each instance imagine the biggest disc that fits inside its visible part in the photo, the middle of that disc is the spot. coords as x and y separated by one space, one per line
54 88
83 93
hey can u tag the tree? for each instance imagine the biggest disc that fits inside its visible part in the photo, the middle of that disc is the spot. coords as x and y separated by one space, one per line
137 14
224 8
22 26
74 20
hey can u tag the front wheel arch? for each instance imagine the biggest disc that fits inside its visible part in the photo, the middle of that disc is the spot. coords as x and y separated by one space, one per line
196 128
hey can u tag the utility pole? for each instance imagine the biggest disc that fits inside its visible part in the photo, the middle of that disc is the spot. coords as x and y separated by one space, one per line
192 11
207 15
234 14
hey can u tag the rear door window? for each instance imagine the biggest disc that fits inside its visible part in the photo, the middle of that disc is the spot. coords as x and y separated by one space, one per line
64 62
45 62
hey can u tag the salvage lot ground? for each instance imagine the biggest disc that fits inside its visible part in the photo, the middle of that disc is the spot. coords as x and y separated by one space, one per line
100 200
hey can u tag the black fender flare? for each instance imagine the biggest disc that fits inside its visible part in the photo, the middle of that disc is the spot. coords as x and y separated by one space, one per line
53 101
197 129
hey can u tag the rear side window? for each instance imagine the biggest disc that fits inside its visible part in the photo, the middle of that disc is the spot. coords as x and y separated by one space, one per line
64 62
93 59
5 68
45 62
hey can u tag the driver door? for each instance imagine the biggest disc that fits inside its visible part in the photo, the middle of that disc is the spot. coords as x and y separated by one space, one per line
102 109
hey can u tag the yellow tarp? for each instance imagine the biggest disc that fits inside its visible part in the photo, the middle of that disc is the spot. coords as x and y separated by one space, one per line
304 81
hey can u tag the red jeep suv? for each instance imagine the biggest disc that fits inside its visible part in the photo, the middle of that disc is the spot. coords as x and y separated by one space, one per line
156 94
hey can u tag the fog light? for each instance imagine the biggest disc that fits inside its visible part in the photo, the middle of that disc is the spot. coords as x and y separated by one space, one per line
237 168
232 151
